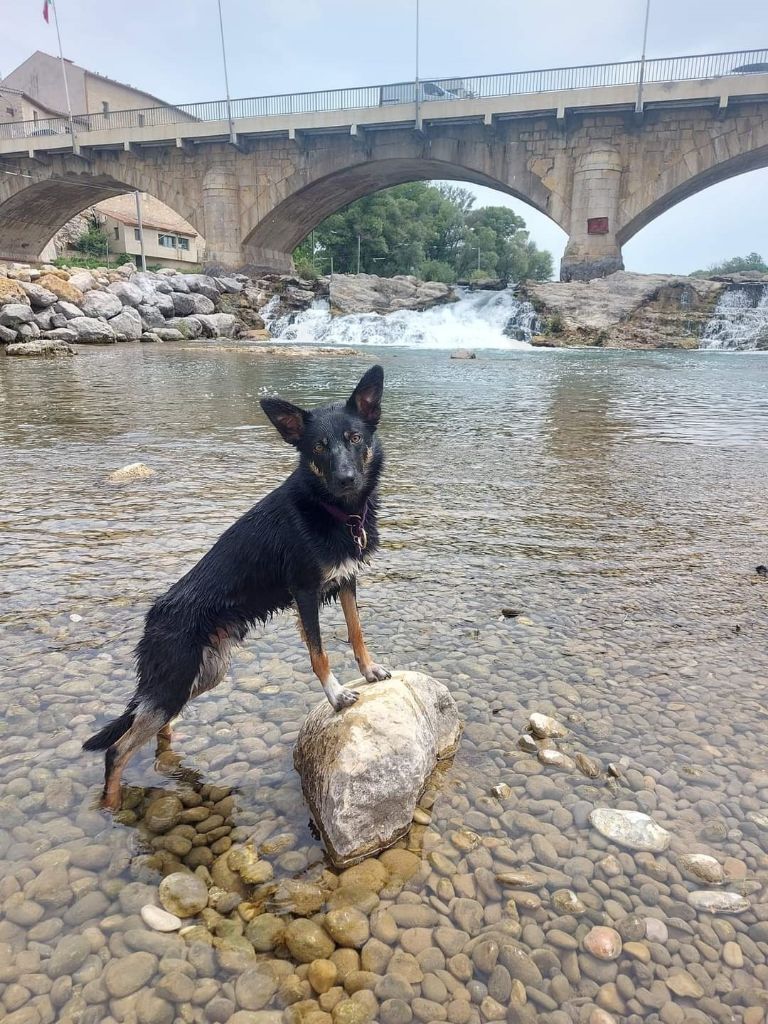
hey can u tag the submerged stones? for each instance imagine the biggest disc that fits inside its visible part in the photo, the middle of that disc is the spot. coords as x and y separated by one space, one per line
632 829
133 471
545 727
604 943
702 868
160 920
718 902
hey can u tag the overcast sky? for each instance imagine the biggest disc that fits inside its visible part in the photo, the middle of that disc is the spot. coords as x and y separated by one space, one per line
171 48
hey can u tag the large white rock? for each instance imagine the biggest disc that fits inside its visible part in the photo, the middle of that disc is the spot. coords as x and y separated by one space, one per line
127 325
91 331
96 304
363 769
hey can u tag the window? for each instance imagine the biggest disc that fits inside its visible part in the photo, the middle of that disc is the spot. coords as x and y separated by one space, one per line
167 241
184 243
117 232
34 116
105 109
137 234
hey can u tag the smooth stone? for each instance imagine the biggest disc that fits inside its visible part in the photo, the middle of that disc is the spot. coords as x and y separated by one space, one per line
322 975
718 902
347 926
602 942
545 727
160 920
307 941
682 984
701 867
632 829
255 987
732 954
183 894
125 975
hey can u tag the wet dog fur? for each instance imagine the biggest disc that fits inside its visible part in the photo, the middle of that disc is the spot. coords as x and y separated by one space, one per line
293 548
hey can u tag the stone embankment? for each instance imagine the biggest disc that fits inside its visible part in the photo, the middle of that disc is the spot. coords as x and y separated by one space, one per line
624 310
46 311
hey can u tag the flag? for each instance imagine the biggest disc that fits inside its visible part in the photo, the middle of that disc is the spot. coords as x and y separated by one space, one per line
46 5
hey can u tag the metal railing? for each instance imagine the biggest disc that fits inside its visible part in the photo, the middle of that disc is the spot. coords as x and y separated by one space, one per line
516 83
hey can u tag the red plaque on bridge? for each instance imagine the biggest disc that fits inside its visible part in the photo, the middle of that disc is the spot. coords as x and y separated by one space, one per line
597 226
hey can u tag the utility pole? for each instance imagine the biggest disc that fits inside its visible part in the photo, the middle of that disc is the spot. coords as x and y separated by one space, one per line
137 196
63 70
418 111
232 135
641 79
358 253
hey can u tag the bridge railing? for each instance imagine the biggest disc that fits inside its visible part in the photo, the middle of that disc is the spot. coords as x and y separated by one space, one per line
516 83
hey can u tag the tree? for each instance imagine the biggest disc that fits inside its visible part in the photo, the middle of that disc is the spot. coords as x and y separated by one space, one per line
732 266
426 230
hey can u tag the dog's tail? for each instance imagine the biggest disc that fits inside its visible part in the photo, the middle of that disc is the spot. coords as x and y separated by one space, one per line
111 732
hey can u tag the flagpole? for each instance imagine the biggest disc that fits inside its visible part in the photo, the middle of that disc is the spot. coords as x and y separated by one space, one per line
232 137
63 72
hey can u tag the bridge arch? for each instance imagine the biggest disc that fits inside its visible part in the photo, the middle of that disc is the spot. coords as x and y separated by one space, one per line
294 217
36 202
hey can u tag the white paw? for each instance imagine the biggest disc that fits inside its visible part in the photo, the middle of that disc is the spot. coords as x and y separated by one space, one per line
376 673
339 696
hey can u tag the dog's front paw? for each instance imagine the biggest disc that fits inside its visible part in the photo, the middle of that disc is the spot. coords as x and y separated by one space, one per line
376 673
343 698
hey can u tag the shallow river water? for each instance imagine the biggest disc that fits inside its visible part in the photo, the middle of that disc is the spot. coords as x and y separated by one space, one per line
616 502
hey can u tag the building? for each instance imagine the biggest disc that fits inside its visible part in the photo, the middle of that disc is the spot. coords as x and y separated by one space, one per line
169 240
40 78
18 106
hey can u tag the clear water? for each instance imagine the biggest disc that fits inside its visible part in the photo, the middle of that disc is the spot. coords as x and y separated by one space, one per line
618 500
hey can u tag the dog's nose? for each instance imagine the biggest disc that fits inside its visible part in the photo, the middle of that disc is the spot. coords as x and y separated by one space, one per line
345 477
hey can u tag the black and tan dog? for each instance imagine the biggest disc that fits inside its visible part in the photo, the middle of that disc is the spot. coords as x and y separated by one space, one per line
301 545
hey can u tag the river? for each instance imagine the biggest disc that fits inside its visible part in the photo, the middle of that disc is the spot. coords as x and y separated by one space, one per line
616 501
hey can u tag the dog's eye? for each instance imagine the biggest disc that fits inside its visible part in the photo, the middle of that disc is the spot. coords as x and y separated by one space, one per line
355 438
319 448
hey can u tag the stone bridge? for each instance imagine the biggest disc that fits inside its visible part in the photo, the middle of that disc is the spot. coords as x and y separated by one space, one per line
601 160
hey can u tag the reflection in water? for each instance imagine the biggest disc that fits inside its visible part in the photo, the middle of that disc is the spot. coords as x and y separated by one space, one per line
617 500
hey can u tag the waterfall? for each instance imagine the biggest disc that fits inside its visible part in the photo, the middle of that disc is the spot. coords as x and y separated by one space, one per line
479 319
740 319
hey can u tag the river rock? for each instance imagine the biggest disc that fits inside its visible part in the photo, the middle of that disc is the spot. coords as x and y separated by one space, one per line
702 868
218 325
307 941
11 291
632 829
718 902
83 280
49 348
125 975
183 894
463 353
134 471
97 303
604 943
189 303
364 768
41 298
545 727
160 920
64 289
366 293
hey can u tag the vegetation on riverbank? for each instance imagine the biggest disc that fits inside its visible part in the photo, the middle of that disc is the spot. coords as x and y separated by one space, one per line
427 230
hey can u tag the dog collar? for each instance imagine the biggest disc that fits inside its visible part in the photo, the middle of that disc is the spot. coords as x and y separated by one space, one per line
354 522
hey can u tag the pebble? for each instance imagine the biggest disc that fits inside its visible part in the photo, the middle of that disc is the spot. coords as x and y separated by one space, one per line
602 942
632 829
702 868
718 902
545 727
682 984
307 941
182 894
159 919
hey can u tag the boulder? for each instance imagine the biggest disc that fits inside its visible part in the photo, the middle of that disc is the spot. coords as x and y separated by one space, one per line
61 334
126 474
68 309
364 768
188 303
463 353
367 293
229 284
91 331
11 291
62 288
83 279
7 335
98 303
30 330
41 298
14 314
168 334
41 347
188 326
128 293
163 302
176 281
218 325
203 285
127 325
126 270
151 315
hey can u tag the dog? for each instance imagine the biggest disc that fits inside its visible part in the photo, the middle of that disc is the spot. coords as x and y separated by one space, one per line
301 545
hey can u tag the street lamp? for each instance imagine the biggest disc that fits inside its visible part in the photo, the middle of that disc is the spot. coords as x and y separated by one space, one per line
641 78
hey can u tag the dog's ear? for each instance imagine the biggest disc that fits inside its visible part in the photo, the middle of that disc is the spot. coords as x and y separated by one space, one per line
365 400
289 419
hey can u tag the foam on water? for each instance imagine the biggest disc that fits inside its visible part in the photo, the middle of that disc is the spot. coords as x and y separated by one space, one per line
740 320
479 319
